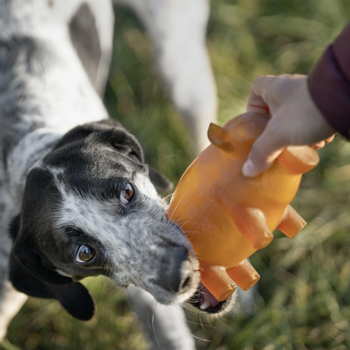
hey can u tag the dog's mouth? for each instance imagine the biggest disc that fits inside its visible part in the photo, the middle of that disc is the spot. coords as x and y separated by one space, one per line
206 302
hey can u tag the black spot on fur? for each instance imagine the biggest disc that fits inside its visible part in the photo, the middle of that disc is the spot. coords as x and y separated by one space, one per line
27 55
22 48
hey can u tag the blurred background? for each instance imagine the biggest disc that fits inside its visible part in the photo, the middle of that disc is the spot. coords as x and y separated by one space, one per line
303 298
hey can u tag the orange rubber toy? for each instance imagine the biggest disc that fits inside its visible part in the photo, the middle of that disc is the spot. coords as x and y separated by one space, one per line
226 216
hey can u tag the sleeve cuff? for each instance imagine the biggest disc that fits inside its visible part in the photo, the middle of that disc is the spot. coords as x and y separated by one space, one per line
330 90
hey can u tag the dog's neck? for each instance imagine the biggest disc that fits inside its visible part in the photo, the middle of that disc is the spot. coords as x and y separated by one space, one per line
26 154
44 92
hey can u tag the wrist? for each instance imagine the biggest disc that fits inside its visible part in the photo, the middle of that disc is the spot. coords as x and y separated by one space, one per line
323 129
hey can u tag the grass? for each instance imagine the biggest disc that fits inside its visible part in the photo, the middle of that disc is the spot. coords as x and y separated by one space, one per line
302 300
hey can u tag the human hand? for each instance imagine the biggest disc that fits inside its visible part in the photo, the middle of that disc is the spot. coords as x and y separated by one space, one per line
294 119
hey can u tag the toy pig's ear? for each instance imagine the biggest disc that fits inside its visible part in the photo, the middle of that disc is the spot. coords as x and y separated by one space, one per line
218 137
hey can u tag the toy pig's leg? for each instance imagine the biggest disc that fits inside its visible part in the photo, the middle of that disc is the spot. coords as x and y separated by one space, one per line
291 222
244 275
249 221
216 280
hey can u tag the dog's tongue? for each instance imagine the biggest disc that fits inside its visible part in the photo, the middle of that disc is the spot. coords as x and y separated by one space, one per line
208 300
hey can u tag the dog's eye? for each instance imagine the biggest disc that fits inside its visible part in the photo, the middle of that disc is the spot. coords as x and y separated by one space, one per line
127 193
85 254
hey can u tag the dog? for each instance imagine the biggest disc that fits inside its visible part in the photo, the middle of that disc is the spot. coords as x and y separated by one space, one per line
76 197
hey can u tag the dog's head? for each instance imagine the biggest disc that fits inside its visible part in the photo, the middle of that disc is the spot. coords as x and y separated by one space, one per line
91 208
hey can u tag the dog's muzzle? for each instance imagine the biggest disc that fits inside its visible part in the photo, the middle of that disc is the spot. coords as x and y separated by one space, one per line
178 275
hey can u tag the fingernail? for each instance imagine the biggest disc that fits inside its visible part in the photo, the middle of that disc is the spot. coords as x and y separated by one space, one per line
248 169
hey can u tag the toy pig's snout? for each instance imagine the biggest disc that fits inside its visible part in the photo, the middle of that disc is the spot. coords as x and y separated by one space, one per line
298 159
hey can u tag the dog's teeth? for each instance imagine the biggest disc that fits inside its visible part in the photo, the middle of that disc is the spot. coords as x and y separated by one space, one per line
204 305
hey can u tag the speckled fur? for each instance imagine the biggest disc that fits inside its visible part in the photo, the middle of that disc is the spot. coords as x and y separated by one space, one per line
135 240
45 91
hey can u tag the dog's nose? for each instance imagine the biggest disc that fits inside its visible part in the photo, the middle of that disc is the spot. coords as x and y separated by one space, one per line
178 274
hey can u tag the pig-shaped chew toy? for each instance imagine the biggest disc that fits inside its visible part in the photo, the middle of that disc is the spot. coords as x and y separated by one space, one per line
226 216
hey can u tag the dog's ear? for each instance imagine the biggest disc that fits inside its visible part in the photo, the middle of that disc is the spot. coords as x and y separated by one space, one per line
111 131
82 131
159 181
29 275
24 251
128 145
74 297
125 143
107 130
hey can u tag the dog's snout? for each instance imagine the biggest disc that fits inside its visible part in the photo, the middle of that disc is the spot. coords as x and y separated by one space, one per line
179 272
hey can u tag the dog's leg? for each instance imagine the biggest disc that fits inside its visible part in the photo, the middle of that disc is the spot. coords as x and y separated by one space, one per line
11 302
91 34
178 32
165 325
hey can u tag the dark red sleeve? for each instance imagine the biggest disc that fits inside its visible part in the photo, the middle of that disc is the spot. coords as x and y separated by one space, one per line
329 83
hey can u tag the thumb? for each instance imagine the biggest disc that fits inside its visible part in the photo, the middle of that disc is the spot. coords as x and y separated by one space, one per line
267 147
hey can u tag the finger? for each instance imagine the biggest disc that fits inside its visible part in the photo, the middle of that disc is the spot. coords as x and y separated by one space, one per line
318 145
329 139
267 147
322 143
257 99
